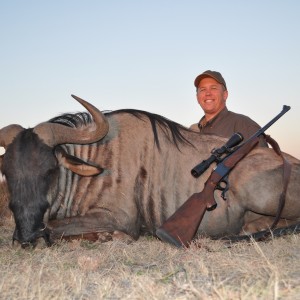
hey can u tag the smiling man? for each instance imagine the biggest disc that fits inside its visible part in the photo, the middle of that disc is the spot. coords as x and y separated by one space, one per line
212 94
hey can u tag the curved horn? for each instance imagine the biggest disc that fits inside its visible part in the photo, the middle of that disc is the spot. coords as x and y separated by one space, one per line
55 134
8 133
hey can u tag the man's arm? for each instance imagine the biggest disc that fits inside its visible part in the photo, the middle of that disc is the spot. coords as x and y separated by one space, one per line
247 127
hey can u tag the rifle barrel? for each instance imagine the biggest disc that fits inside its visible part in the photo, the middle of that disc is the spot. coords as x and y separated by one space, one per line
285 109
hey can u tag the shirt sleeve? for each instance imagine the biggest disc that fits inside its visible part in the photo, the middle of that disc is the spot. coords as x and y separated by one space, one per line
247 127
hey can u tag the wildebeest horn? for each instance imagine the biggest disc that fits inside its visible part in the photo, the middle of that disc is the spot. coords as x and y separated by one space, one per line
8 133
54 134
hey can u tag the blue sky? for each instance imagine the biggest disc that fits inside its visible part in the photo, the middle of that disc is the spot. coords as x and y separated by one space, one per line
146 54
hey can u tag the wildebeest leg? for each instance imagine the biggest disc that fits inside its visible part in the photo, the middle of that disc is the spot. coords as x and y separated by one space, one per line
93 226
257 184
255 223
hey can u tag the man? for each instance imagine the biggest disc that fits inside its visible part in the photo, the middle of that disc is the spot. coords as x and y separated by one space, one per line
212 94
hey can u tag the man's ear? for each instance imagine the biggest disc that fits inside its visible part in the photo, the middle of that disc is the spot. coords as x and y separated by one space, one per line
76 164
225 95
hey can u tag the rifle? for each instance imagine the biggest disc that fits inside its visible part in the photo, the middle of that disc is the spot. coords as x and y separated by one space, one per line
216 154
180 228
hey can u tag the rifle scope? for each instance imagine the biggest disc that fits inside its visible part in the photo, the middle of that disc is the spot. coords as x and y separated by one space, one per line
235 139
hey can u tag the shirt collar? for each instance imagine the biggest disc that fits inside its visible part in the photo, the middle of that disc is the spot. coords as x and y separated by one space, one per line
201 123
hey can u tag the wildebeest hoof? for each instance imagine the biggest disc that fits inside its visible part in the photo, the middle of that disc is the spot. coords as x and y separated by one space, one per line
121 236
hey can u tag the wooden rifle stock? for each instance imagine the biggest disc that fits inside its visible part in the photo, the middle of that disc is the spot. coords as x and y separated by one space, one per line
181 227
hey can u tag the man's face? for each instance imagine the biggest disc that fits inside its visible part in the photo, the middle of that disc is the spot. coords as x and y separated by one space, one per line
211 96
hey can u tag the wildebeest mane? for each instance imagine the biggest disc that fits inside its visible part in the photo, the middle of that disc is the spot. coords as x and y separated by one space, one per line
73 120
169 127
164 123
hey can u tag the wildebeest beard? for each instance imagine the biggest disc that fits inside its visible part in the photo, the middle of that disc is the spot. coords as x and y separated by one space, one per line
28 172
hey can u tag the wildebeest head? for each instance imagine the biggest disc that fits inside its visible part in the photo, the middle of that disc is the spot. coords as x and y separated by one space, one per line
31 163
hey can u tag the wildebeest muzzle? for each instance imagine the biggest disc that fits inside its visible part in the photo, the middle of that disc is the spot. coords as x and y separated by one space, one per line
31 240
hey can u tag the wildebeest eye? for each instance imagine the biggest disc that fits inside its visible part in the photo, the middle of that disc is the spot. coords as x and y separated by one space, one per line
1 159
11 205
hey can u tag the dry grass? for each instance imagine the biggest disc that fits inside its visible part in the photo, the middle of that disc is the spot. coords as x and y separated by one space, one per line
4 211
150 269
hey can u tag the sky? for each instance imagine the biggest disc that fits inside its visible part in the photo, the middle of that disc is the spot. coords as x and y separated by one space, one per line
146 55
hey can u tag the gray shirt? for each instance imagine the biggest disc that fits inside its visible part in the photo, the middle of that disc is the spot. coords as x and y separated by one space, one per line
226 123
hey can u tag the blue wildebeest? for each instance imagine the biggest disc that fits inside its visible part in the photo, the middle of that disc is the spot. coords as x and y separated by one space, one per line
92 175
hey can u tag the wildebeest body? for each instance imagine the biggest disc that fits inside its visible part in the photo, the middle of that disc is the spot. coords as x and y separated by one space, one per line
137 174
142 184
143 179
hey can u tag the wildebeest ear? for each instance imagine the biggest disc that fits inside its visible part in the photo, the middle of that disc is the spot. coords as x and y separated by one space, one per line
76 164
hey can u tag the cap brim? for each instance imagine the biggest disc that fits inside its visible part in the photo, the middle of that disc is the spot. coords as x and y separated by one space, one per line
200 77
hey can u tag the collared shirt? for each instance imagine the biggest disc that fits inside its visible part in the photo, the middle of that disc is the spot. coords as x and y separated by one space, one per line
226 123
